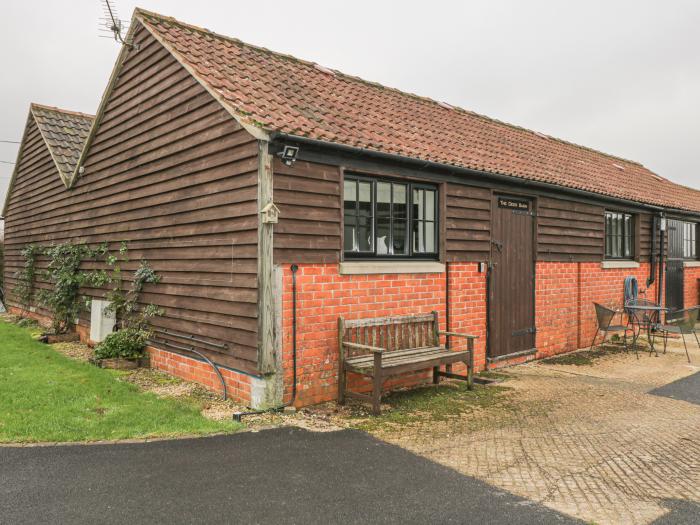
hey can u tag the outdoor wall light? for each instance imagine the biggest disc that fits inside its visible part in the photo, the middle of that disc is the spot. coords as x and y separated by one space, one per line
289 154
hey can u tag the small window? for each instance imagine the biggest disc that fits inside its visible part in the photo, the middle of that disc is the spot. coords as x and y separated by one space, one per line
690 240
389 219
619 235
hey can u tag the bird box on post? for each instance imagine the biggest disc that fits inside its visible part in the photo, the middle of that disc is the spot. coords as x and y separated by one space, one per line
270 213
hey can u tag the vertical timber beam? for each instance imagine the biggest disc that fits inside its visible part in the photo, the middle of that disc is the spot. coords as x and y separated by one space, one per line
266 306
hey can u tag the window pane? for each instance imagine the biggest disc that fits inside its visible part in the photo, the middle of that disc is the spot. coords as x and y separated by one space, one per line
350 216
350 237
400 208
429 205
350 190
383 200
418 211
383 230
365 198
399 236
430 237
365 217
418 240
364 234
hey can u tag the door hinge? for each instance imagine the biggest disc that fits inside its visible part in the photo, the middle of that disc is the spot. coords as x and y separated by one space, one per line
524 331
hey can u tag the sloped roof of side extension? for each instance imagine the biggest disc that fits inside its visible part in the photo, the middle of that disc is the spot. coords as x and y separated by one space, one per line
270 93
64 132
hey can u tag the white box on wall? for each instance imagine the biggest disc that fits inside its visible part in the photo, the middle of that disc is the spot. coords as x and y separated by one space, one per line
101 323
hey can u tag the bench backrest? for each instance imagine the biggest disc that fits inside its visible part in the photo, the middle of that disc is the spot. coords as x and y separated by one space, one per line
391 333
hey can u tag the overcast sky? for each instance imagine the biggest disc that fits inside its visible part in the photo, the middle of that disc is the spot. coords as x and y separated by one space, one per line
619 76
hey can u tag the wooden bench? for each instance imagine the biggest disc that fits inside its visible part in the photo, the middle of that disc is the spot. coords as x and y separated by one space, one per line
387 346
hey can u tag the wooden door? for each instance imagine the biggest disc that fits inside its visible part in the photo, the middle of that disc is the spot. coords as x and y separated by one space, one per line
674 266
512 277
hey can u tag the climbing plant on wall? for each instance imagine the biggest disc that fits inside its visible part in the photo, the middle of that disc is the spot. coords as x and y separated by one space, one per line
26 277
66 274
63 299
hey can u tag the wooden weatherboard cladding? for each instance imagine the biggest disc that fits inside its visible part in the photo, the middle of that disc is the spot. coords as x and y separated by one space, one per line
36 177
569 231
175 176
308 194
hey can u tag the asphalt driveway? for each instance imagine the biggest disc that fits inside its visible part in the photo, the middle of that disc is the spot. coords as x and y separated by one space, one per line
274 476
685 389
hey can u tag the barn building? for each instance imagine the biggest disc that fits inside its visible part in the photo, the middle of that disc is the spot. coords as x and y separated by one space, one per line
274 195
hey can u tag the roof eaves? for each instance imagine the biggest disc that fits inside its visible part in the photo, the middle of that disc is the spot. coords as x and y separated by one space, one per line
20 151
251 126
461 169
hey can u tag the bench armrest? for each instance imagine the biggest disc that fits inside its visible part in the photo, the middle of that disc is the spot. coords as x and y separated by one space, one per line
456 334
358 346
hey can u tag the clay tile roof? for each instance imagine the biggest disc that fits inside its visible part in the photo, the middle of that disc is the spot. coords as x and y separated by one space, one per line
279 93
65 133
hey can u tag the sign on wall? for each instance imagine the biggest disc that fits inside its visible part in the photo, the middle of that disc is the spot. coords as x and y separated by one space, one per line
514 204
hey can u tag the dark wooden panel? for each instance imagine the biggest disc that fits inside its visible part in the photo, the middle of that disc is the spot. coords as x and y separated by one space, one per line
172 174
511 322
467 223
569 231
308 196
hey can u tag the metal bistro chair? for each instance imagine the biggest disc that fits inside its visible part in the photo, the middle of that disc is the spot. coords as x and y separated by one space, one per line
605 318
646 316
682 322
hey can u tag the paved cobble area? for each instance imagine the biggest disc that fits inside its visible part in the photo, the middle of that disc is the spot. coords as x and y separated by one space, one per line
588 441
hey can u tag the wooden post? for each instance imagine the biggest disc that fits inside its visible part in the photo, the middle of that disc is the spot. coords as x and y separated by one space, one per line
341 361
266 331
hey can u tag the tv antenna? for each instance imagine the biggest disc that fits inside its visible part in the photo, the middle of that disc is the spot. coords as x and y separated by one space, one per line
112 24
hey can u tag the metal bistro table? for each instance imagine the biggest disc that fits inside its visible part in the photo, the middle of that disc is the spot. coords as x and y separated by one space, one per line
645 315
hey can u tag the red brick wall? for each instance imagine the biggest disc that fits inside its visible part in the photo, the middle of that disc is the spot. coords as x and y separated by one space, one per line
564 301
691 277
323 295
237 384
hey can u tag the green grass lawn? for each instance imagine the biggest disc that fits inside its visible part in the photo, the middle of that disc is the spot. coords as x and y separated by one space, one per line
45 396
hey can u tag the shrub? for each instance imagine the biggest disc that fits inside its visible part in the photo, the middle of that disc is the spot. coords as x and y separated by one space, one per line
128 343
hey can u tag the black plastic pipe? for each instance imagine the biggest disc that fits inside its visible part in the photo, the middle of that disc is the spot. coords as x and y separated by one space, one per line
662 254
200 354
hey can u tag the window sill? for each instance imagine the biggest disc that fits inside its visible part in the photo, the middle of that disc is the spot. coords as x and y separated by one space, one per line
388 267
616 265
691 264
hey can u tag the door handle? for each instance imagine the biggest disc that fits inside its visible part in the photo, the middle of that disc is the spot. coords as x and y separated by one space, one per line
498 245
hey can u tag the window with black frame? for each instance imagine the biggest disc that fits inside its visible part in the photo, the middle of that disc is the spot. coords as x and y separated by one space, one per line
389 219
690 240
619 235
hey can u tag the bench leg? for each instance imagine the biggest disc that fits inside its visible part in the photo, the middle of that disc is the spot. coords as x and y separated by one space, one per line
377 382
342 378
436 375
376 394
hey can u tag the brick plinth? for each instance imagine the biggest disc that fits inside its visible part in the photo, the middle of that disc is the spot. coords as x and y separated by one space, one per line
238 384
565 319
